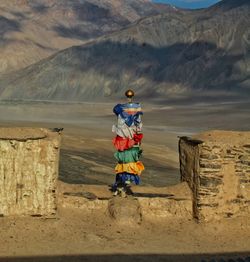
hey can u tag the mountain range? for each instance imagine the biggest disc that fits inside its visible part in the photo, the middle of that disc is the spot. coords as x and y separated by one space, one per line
34 29
174 54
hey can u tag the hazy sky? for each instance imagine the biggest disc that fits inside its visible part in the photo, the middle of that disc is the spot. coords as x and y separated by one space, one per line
189 3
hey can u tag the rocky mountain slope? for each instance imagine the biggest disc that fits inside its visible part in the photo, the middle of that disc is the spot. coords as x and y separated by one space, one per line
31 30
180 54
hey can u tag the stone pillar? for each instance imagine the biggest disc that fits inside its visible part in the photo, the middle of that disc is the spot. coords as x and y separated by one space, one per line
28 171
216 166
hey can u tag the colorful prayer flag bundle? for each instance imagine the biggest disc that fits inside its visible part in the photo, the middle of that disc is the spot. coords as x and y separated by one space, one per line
127 142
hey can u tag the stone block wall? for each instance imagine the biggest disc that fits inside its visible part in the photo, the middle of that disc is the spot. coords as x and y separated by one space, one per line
28 171
216 165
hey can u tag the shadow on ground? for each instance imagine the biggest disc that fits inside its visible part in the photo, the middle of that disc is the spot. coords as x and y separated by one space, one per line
231 257
97 168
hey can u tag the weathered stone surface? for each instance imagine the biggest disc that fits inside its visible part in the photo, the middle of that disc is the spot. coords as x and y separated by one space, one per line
208 156
28 171
245 159
189 164
223 185
237 150
208 205
125 210
21 134
212 166
245 181
177 204
210 182
163 208
211 172
229 157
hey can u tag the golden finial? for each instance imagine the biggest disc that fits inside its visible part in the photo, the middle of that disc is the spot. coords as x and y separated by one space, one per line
129 93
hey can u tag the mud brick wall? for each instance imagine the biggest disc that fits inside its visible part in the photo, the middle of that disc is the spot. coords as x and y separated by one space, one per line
216 165
28 171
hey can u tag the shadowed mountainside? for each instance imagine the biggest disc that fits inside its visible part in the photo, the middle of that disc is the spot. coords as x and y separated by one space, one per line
33 30
168 55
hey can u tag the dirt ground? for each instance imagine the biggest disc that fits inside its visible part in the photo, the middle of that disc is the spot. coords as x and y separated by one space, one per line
86 157
76 235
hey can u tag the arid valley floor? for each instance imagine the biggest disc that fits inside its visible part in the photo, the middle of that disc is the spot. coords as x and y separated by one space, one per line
87 158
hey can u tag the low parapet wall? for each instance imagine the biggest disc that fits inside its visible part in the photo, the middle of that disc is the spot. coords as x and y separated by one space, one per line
28 171
216 166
